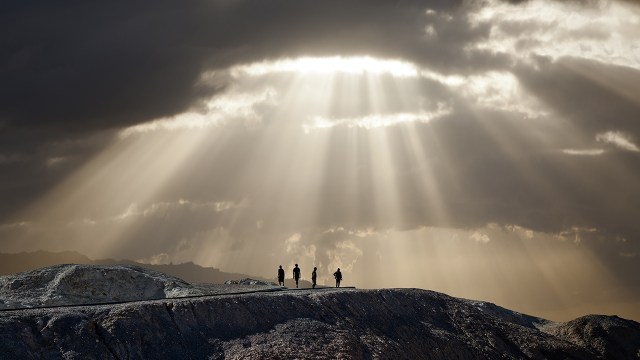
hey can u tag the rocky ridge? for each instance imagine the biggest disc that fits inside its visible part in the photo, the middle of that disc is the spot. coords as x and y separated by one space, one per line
327 324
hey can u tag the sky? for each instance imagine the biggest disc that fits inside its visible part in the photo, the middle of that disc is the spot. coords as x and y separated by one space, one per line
485 149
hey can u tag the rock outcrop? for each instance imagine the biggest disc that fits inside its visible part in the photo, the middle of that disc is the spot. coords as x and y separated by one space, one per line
88 284
610 336
326 324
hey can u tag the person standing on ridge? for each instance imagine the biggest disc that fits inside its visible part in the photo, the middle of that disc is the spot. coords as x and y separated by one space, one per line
280 276
314 275
296 274
338 276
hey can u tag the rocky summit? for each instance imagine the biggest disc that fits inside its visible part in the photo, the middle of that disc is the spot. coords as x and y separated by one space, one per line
323 323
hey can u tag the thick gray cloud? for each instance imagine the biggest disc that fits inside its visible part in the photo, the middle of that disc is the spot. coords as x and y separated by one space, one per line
86 65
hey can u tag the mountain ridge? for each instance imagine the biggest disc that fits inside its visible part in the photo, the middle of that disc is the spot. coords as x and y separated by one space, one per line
328 323
243 320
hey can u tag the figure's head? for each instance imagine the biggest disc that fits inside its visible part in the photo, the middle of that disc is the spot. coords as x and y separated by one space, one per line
315 268
338 269
296 264
280 266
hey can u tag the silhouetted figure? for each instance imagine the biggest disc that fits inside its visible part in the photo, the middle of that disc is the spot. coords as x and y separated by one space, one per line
281 276
314 275
338 276
296 274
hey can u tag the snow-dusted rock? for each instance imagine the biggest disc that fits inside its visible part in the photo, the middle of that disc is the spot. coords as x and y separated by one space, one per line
248 281
88 284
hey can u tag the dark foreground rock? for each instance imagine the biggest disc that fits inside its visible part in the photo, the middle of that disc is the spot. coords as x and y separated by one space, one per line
329 323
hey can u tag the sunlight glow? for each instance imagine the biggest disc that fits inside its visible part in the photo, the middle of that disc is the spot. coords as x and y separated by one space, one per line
218 110
375 120
330 65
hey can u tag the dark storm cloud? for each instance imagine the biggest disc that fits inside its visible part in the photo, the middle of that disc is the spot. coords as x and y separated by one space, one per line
596 97
87 64
84 65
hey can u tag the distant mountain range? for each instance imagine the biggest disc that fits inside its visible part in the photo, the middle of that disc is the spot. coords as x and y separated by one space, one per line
190 272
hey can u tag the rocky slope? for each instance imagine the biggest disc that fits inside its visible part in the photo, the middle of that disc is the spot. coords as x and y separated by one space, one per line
326 323
73 284
87 284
